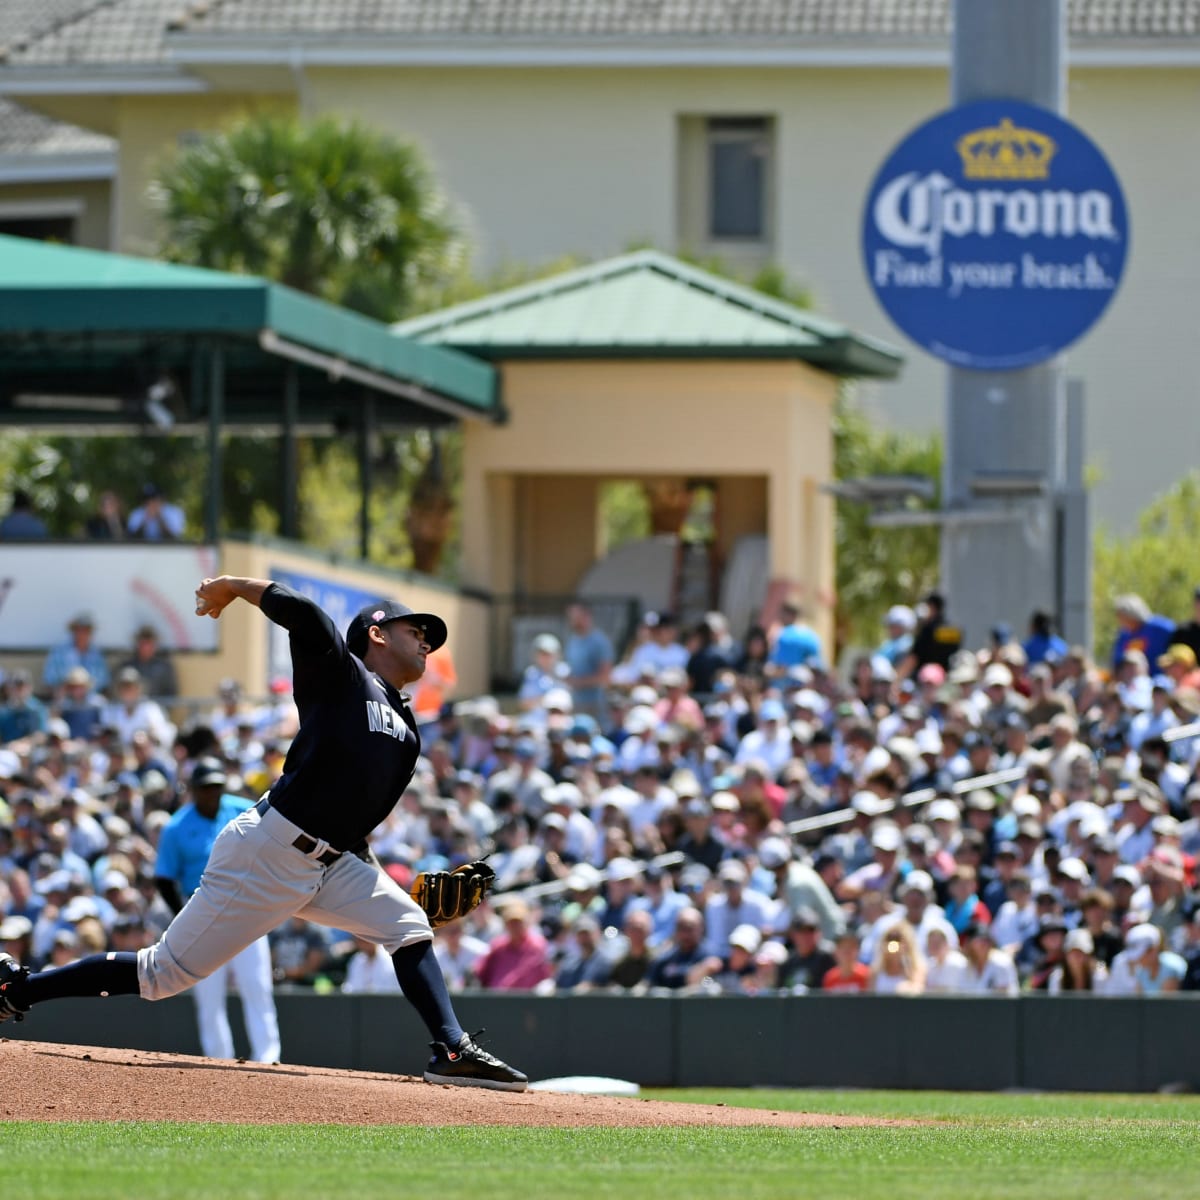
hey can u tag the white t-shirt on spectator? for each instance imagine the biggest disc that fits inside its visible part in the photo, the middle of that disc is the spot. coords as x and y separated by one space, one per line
370 973
947 975
999 975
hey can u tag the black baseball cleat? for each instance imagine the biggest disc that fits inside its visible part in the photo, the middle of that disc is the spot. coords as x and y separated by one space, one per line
469 1066
11 975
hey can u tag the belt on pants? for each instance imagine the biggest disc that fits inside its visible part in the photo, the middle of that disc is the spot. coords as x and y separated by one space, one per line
305 844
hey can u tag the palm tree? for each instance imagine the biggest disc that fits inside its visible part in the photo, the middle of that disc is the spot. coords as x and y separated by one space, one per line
328 207
339 211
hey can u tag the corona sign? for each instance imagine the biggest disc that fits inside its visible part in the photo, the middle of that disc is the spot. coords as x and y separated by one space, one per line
995 235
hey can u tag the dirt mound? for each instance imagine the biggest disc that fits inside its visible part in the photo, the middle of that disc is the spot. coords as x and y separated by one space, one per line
45 1082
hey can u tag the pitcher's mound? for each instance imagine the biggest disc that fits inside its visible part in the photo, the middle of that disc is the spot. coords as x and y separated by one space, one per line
44 1082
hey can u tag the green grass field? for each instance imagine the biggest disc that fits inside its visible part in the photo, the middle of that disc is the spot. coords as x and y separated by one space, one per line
1011 1146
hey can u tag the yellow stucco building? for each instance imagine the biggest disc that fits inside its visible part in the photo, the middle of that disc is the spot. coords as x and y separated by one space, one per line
644 368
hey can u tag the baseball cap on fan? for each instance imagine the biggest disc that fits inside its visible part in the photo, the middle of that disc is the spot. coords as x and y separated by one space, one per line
391 610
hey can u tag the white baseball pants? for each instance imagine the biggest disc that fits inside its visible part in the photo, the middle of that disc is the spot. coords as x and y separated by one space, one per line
251 972
255 880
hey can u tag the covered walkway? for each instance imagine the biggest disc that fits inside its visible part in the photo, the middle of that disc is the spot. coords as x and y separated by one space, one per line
108 343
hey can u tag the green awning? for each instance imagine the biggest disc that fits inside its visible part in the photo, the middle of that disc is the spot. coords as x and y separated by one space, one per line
648 304
63 304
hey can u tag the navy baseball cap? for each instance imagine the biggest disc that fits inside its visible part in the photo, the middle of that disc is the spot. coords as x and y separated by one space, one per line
390 610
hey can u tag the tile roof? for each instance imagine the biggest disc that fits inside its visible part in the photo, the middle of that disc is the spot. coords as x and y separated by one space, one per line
23 20
25 132
98 32
697 18
123 32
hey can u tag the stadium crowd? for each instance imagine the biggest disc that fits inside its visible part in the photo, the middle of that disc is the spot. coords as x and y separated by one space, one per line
697 813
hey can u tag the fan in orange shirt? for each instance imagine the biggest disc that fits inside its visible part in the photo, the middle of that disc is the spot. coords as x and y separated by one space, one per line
429 693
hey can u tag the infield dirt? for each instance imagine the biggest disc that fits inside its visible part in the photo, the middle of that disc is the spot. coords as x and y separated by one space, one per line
46 1082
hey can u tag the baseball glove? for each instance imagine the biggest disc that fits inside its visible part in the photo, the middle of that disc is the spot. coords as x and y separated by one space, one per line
447 895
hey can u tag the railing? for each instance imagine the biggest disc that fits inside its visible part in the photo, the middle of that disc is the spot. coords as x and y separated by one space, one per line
804 825
909 800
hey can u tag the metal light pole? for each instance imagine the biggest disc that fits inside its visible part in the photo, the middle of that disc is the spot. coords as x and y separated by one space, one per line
1011 487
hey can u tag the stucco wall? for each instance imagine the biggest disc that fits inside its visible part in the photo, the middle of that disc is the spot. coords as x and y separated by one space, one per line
744 421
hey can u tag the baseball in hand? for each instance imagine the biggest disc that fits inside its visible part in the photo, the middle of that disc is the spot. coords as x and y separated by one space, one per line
203 606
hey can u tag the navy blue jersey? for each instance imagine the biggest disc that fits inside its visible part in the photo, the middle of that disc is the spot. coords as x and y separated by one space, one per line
358 743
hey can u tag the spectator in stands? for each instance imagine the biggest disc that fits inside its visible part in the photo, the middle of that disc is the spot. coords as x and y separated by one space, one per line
1139 629
661 650
1144 967
711 652
674 967
584 965
736 971
700 843
677 708
631 967
299 952
1065 750
79 650
519 958
882 873
230 709
898 966
1152 722
795 643
945 964
1141 802
1190 953
755 654
1189 829
132 711
369 969
22 714
80 705
770 741
21 523
1043 644
589 658
1163 875
1050 940
810 958
545 672
107 523
935 640
848 976
1187 633
523 780
153 664
900 621
989 969
1080 970
661 902
736 904
459 951
156 519
799 887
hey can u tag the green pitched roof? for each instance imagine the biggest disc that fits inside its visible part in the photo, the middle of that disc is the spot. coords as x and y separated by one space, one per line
650 305
48 290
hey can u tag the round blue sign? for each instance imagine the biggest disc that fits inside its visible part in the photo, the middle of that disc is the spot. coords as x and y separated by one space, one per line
995 235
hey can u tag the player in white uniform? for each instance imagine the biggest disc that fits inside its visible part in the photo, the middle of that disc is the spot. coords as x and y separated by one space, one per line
184 847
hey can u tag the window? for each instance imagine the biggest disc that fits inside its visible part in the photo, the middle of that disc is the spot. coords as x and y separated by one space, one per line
42 229
739 152
725 186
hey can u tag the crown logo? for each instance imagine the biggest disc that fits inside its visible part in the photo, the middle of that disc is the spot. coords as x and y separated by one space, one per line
1006 152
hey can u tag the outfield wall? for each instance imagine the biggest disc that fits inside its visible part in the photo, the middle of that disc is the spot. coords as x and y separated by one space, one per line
1035 1042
